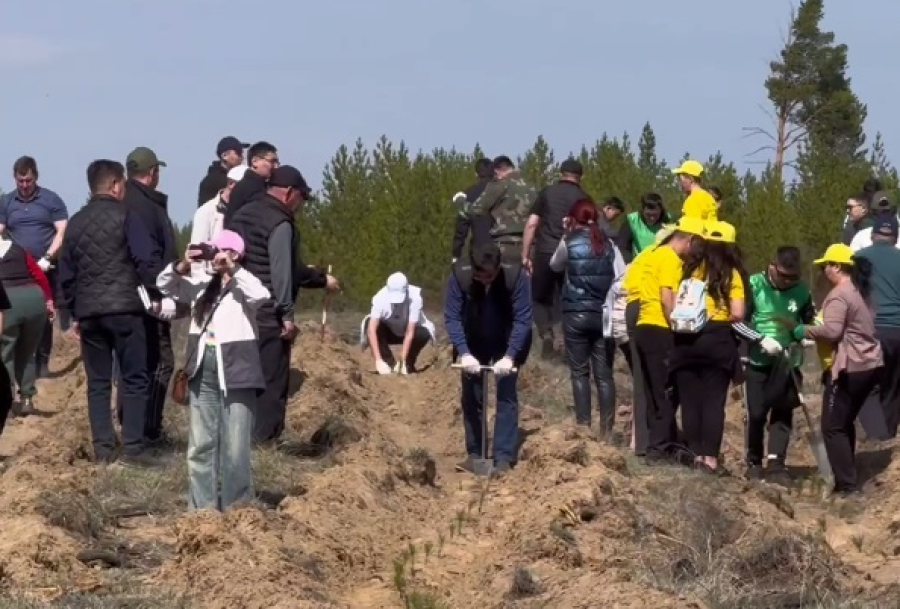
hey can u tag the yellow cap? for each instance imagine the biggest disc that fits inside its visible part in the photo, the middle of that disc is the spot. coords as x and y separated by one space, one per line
691 168
720 231
837 253
664 232
691 226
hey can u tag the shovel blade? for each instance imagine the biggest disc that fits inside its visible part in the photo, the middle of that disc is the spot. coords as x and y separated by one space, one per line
482 467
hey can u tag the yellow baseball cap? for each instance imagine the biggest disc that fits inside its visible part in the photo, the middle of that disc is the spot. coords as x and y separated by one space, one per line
721 231
691 226
837 253
691 168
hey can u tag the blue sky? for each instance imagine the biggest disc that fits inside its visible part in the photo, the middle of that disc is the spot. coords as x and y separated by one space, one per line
96 78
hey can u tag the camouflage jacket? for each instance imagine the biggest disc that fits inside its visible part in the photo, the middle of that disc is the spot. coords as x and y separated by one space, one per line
506 202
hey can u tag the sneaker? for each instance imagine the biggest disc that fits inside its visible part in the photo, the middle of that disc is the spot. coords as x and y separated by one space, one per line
26 407
502 467
140 460
466 466
755 472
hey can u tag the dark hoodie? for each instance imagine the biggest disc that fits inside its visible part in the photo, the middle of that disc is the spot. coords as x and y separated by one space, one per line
251 186
216 179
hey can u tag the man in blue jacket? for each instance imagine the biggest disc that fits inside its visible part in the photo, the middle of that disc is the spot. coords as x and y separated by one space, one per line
488 317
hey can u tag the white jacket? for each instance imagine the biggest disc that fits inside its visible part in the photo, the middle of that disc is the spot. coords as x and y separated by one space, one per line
208 222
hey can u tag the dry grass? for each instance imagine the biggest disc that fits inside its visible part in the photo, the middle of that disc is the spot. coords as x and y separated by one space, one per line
693 547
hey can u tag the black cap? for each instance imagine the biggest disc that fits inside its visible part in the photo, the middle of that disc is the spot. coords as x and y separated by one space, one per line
229 143
881 201
503 161
571 166
886 227
289 177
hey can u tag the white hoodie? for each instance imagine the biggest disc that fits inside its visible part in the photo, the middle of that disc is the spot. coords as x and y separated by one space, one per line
208 222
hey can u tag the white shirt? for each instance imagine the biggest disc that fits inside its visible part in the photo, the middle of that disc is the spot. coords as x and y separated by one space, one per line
382 309
863 239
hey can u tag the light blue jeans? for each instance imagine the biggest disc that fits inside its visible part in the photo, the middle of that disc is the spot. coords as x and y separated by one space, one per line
220 472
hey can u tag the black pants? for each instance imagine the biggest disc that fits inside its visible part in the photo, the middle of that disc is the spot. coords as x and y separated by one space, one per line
588 352
771 396
889 386
6 397
705 391
546 289
386 338
160 366
45 347
639 400
841 403
125 335
654 347
275 355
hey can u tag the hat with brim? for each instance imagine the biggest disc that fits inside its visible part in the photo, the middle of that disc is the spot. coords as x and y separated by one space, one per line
837 253
691 226
722 232
689 168
397 288
664 233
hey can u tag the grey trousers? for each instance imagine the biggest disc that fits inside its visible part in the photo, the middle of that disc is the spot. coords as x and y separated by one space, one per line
220 472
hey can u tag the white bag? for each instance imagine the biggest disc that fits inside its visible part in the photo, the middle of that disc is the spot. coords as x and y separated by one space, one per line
690 314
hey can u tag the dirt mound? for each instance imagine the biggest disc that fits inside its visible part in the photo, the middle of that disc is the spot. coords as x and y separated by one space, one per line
362 507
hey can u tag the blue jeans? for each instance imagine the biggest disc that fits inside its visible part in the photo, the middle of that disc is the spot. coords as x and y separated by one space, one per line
506 422
219 440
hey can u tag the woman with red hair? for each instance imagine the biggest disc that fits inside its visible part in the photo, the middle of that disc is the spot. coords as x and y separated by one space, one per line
593 267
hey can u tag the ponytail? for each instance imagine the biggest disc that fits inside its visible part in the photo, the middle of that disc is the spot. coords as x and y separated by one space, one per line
861 275
584 213
598 238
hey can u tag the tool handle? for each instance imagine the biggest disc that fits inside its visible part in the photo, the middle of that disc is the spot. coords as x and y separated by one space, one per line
459 367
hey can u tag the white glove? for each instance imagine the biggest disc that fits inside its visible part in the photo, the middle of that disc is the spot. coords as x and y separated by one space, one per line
504 366
382 367
459 198
44 264
806 342
469 364
770 346
400 368
167 309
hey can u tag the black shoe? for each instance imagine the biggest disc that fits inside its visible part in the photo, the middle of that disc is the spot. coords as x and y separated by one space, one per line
502 467
26 407
467 465
755 472
141 460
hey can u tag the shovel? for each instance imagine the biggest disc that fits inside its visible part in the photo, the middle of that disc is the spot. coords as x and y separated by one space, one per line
325 300
483 466
814 435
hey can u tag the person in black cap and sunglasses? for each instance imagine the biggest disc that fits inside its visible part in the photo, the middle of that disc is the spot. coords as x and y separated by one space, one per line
230 154
272 253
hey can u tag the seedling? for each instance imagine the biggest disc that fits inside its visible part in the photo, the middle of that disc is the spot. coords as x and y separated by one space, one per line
411 552
857 541
460 519
441 540
400 575
428 547
822 522
452 529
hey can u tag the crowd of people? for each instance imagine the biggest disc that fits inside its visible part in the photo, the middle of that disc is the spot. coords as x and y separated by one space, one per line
671 295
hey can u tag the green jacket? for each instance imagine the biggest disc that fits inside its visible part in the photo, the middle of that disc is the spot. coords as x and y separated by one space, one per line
642 235
506 202
765 305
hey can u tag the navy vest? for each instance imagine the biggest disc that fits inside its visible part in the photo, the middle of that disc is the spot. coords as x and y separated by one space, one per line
588 276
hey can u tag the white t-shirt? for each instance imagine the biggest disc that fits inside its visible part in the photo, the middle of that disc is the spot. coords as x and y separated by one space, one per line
863 239
382 308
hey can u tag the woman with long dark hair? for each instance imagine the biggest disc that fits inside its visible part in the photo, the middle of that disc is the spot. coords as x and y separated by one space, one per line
848 324
592 265
223 367
704 357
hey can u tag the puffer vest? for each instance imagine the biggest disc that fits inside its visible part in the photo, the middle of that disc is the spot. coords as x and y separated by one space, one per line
588 276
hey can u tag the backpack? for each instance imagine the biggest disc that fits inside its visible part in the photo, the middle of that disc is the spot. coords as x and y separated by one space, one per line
690 314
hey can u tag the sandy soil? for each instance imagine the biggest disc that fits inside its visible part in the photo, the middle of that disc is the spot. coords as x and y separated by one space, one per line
368 512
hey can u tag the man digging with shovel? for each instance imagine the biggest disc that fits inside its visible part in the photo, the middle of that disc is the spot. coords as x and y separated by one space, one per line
488 318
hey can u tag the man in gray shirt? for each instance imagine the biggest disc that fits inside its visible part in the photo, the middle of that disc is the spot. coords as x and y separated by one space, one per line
272 253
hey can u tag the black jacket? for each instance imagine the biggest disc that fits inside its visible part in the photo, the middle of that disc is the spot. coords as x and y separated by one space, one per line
462 222
151 206
97 272
216 179
252 186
